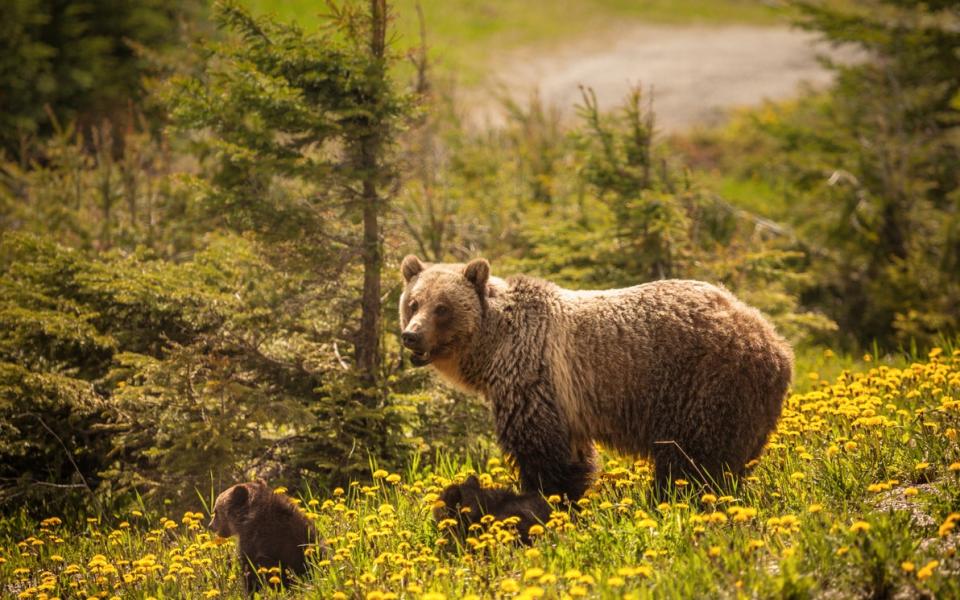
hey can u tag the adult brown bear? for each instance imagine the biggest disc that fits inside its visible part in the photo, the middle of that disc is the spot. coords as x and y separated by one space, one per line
678 371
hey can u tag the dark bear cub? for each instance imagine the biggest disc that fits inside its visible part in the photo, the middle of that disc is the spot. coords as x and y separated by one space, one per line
272 532
468 502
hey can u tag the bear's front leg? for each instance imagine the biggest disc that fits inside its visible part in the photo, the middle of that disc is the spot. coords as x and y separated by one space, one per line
532 432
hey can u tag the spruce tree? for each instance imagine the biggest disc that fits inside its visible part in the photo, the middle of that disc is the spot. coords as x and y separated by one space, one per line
300 127
883 168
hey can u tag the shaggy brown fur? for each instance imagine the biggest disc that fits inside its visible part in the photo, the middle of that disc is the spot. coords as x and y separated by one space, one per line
272 531
468 502
678 371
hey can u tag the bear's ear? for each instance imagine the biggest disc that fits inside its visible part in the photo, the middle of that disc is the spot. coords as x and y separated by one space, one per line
410 267
240 495
477 272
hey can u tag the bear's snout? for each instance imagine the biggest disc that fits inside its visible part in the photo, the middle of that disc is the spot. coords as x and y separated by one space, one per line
411 339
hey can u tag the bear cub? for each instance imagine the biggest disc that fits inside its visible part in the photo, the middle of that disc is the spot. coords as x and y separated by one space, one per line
468 502
272 531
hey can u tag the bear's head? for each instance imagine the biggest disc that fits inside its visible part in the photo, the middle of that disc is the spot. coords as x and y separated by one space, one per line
232 507
441 307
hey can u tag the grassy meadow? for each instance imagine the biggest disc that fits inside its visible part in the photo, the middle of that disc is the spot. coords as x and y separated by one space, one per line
462 34
200 275
856 495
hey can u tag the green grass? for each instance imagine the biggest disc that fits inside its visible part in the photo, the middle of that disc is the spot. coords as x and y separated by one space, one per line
857 495
463 34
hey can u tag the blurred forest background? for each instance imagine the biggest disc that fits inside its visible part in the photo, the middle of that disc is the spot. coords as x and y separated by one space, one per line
203 209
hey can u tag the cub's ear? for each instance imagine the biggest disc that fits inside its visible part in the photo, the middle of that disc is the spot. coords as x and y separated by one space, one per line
240 495
451 496
410 267
477 272
472 481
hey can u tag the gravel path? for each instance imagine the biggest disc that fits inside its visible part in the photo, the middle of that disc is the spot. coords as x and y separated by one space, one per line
697 72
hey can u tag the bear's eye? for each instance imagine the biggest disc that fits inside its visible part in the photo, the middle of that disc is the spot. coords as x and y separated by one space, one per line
441 310
414 306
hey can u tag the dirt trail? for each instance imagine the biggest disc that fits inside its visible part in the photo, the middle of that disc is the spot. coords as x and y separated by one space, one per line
697 72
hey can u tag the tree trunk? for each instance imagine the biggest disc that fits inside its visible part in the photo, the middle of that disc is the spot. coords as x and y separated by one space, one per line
368 355
368 342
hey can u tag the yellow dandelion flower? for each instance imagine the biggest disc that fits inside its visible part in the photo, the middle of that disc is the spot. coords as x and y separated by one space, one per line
948 525
708 499
907 566
859 526
509 586
647 524
446 523
927 570
814 508
531 592
616 581
911 491
533 573
380 474
535 530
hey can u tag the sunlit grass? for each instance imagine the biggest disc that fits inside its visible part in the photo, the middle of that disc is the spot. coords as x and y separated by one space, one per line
858 493
462 34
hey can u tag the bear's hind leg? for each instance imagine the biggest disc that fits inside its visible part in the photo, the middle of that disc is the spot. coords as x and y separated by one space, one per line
672 462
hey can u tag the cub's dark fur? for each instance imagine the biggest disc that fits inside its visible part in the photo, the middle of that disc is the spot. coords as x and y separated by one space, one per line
272 532
468 502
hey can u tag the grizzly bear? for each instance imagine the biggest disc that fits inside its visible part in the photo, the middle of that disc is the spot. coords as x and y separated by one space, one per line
678 371
272 532
468 502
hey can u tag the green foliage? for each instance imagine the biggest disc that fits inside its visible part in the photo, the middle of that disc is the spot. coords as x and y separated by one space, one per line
601 206
100 191
77 60
280 113
867 174
890 206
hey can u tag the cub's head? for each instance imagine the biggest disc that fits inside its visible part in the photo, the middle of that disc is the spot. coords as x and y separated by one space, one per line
441 307
232 506
460 501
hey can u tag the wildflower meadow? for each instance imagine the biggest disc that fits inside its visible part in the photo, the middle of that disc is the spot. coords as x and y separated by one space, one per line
857 494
